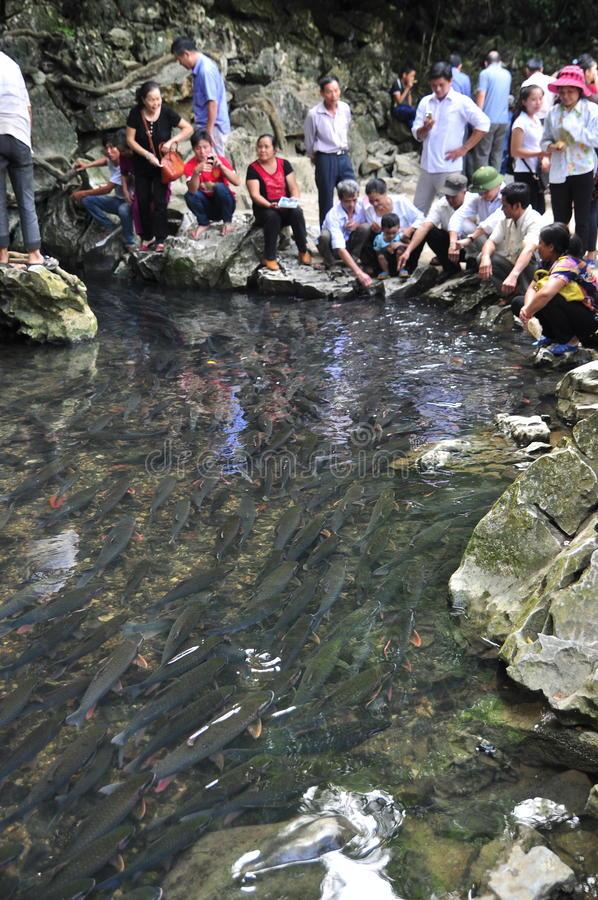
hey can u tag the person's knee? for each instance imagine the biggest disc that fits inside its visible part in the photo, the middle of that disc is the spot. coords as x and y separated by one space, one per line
88 202
517 305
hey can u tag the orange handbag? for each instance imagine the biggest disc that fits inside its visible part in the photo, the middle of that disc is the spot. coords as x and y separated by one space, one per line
173 165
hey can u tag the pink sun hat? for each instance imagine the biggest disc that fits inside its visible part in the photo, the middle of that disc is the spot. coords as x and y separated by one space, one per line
570 76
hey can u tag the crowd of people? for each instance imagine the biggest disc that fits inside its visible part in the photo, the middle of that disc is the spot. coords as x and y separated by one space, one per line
472 142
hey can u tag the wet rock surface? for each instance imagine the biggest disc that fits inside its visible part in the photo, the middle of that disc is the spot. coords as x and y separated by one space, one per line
577 392
45 306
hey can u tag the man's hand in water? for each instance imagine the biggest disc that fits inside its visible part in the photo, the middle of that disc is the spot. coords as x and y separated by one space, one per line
365 280
485 270
509 284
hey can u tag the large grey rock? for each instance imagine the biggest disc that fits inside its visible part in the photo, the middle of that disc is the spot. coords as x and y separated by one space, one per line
544 359
53 135
577 392
311 284
419 284
532 875
46 306
523 429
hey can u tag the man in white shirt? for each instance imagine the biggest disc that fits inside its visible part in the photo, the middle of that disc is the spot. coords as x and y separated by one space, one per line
380 202
327 142
345 231
507 255
15 158
440 123
482 205
435 229
534 76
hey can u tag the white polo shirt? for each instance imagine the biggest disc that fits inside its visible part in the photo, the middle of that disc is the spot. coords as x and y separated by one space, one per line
476 208
409 215
336 223
451 115
14 101
510 237
441 213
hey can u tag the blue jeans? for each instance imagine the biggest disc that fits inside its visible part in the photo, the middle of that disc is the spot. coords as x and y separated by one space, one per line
99 204
221 205
15 158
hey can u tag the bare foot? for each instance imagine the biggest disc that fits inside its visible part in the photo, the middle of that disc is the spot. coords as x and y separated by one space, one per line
196 233
227 228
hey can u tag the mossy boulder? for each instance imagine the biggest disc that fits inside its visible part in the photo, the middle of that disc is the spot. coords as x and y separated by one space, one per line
45 306
577 392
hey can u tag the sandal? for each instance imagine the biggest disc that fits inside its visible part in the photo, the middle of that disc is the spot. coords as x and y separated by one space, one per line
146 246
561 349
158 248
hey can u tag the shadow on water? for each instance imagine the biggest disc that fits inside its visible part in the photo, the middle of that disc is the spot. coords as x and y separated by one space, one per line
242 423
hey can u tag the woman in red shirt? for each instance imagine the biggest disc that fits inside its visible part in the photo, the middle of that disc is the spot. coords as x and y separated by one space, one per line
208 175
270 179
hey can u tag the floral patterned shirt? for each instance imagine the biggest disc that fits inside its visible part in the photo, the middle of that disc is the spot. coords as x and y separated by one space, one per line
578 128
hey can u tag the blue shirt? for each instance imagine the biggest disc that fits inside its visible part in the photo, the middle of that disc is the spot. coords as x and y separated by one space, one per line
495 81
461 82
208 84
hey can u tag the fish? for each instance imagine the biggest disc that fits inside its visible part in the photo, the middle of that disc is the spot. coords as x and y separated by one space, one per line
116 541
132 404
182 511
332 585
6 516
90 859
181 628
294 640
163 491
208 487
119 489
274 583
227 535
383 507
298 602
213 736
74 890
182 690
46 643
192 585
9 851
105 678
138 573
280 437
32 744
67 602
109 812
359 688
322 551
94 639
182 724
352 496
318 668
31 485
247 512
61 695
306 537
286 527
77 503
164 848
71 759
186 660
89 778
13 703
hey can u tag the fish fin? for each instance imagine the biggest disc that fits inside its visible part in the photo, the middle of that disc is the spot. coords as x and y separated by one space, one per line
119 739
107 789
24 629
255 729
314 637
141 661
140 813
415 639
90 713
407 666
117 688
118 863
162 785
389 693
218 760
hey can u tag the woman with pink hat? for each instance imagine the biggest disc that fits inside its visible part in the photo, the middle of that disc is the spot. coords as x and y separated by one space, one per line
570 136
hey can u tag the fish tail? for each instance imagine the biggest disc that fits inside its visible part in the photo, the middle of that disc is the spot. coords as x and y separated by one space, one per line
120 739
76 718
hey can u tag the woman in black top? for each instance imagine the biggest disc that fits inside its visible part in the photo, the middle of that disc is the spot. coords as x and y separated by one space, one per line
150 125
269 180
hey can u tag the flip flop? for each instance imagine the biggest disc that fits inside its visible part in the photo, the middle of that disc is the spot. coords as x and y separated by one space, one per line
542 342
49 263
562 349
158 248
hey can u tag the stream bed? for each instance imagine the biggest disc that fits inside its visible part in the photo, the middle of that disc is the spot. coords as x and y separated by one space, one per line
250 470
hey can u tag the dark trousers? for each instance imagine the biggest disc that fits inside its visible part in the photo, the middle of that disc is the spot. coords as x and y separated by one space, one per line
206 209
151 197
536 190
15 158
502 267
438 241
330 169
563 319
355 244
404 113
593 225
575 193
272 220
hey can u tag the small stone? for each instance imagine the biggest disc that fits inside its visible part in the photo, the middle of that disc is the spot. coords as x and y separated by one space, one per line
530 876
523 429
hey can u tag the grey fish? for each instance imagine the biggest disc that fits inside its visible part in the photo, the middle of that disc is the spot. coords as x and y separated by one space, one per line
71 759
213 736
78 502
286 527
192 585
352 496
31 745
383 507
132 404
93 858
6 516
182 627
280 437
306 537
138 573
227 535
163 491
109 812
74 890
65 603
182 511
147 892
208 486
247 512
164 848
294 640
115 494
193 715
332 585
9 851
91 640
186 660
89 778
274 583
298 602
46 643
322 551
61 695
183 689
14 703
318 668
116 541
33 483
105 678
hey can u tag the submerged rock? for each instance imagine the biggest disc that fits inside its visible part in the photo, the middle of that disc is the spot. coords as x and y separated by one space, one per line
45 306
531 875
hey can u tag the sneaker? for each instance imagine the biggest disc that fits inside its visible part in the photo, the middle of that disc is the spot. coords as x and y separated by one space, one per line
404 273
107 235
542 342
382 276
561 349
305 258
271 264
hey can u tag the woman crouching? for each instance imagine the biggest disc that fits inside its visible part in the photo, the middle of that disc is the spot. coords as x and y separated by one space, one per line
270 181
209 177
563 294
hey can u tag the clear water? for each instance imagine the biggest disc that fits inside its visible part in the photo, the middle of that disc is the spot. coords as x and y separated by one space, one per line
172 386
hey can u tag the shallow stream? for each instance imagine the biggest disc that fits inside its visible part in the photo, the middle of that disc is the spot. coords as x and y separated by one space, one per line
286 404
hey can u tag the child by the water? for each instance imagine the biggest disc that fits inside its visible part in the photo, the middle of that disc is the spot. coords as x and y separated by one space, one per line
388 245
